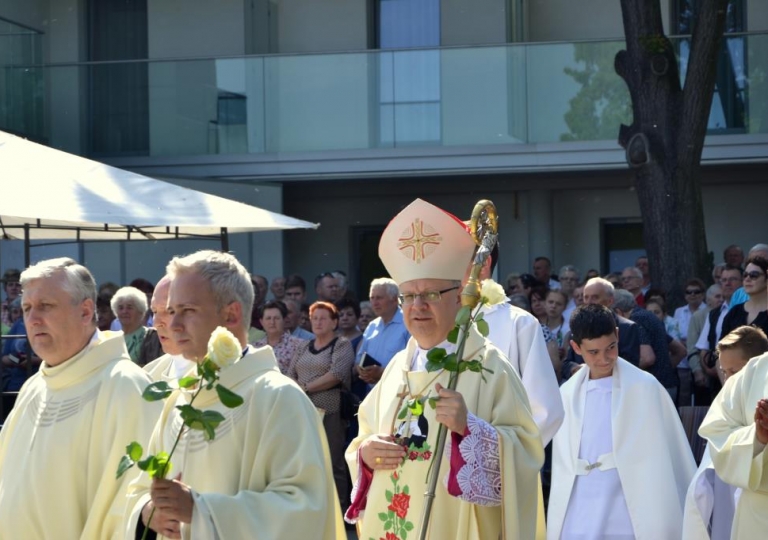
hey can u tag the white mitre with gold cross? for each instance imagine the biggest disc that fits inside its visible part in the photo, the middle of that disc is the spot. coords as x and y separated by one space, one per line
425 242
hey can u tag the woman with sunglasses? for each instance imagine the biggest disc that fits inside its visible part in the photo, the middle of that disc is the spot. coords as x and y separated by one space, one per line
754 312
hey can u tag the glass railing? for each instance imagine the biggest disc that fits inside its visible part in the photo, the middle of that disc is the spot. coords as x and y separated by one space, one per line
511 94
21 89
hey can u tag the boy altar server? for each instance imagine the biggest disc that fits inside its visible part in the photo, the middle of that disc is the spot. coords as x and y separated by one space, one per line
489 475
266 474
62 441
621 460
736 427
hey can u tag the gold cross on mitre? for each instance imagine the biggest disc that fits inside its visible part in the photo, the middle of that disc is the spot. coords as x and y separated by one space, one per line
416 239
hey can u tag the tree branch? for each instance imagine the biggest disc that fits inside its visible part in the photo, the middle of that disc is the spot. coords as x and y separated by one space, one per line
708 27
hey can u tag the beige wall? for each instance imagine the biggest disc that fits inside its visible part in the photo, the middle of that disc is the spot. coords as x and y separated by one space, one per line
757 15
472 23
318 26
188 28
566 20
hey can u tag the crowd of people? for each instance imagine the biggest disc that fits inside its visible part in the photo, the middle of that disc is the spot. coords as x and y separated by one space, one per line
570 357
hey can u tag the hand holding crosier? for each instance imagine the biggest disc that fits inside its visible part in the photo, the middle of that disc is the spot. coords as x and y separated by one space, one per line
171 498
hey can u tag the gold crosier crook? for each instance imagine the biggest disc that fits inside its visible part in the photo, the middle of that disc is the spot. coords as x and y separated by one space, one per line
484 230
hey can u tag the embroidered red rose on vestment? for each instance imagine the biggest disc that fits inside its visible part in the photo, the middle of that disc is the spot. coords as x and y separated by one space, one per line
390 536
395 475
399 505
413 456
427 454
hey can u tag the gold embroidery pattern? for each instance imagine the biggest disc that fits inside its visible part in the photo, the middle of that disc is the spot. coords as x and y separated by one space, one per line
418 241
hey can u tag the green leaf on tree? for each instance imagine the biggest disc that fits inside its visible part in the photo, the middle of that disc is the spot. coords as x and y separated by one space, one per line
188 382
157 391
462 317
228 397
453 335
482 327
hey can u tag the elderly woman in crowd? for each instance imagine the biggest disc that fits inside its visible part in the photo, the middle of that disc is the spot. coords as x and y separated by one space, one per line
366 315
285 345
323 367
129 305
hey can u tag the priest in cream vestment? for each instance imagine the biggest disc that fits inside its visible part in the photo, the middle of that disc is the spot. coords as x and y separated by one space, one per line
489 473
61 444
734 427
171 366
266 474
621 462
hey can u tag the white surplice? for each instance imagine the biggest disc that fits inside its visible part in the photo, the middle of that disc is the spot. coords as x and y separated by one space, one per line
650 453
518 335
709 505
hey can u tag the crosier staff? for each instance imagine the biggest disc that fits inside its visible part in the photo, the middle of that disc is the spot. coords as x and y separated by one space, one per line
484 230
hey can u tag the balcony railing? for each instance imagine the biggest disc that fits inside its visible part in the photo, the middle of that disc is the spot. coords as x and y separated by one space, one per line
449 97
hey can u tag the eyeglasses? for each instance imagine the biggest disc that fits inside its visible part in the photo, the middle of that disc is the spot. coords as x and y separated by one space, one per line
693 291
429 297
730 280
753 275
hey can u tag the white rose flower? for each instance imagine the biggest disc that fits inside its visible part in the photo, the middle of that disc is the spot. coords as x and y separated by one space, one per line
492 293
223 348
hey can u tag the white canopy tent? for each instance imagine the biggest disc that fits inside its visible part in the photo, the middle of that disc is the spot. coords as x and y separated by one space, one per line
50 194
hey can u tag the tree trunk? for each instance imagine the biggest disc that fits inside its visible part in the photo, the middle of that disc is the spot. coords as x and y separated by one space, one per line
665 141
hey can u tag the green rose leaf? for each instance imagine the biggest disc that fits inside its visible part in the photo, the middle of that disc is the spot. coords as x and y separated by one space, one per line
408 526
163 465
451 363
189 414
147 464
403 534
134 451
462 317
387 525
388 494
434 366
416 407
157 391
213 417
436 354
228 397
482 327
188 382
433 402
453 335
125 463
406 490
480 316
383 516
403 413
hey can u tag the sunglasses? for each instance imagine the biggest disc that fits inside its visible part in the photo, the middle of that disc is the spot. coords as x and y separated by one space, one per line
753 275
693 291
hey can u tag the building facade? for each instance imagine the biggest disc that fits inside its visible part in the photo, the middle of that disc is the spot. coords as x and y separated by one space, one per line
342 111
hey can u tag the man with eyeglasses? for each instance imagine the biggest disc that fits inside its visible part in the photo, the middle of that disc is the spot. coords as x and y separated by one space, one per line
694 298
488 483
730 280
632 281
